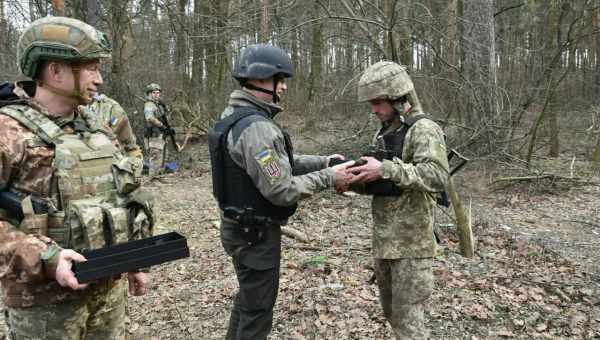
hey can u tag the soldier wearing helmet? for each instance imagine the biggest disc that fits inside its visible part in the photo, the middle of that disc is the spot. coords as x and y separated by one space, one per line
258 182
112 116
409 168
156 131
63 183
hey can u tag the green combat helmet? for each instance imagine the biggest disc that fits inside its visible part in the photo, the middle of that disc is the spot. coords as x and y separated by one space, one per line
59 39
152 87
387 80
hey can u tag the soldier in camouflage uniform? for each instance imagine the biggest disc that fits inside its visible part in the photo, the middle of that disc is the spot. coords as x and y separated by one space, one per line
155 112
83 188
112 115
258 181
410 169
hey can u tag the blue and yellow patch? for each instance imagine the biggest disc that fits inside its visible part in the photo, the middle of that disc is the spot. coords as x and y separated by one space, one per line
267 161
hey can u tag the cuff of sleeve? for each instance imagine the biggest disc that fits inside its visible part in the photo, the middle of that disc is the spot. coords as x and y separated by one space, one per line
331 176
386 169
50 259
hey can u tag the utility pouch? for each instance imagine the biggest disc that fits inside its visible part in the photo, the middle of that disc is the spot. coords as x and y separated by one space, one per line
253 234
117 225
124 176
32 223
58 230
89 218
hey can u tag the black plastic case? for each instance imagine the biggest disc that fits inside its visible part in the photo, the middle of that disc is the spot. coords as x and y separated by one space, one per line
130 256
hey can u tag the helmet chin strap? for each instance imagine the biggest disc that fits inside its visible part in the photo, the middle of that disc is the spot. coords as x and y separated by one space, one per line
260 89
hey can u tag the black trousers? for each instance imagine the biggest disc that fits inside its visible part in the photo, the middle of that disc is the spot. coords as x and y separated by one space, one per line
252 313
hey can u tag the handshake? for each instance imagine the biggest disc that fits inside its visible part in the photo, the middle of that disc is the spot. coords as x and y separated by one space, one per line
347 172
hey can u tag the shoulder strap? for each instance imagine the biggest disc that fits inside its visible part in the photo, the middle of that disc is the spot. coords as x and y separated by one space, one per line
410 121
239 114
36 122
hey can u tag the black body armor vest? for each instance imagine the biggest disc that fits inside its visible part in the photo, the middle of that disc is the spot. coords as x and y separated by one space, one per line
393 143
232 187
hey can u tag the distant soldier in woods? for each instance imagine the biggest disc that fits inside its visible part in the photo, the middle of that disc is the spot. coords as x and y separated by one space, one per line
258 182
113 116
157 128
64 187
410 169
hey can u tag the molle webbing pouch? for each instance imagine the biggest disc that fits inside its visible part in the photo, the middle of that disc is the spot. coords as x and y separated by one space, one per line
124 176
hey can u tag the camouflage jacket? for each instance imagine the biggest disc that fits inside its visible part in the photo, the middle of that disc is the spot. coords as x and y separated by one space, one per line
113 116
403 225
27 167
264 140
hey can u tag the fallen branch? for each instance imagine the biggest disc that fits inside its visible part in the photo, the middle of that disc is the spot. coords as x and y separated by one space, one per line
534 178
295 234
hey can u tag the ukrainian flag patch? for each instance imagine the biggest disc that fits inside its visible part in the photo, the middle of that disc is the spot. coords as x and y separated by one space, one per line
268 163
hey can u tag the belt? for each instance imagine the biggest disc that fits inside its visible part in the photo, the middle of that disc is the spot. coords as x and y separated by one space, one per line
247 216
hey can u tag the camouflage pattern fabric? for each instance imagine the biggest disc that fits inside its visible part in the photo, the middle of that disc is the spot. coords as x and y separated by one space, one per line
113 116
404 286
59 38
28 164
156 147
403 225
100 315
155 142
261 151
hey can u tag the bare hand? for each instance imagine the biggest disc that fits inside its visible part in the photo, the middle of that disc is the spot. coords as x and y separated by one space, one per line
335 155
342 176
138 283
367 173
64 275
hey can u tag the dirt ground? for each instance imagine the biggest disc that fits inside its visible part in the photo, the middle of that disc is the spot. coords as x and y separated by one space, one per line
535 273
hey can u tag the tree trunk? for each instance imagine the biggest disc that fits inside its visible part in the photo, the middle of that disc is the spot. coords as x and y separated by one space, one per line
479 59
198 51
316 58
181 61
597 63
554 36
389 10
264 21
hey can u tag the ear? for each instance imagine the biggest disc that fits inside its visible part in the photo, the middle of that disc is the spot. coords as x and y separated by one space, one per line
55 71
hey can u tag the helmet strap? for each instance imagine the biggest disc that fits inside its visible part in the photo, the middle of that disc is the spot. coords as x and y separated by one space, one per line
260 89
75 94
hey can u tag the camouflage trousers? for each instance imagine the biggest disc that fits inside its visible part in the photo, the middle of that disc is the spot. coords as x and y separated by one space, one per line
404 286
156 147
100 315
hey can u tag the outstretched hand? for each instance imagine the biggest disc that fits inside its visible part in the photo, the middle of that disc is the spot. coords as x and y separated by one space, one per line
342 177
367 173
334 156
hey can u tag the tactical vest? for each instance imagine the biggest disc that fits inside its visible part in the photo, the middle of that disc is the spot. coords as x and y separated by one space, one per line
232 187
387 146
151 130
90 207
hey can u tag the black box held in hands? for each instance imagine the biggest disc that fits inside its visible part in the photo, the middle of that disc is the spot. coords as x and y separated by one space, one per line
130 256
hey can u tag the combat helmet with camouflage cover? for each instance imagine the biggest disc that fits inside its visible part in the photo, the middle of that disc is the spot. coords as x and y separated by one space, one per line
152 87
388 80
59 39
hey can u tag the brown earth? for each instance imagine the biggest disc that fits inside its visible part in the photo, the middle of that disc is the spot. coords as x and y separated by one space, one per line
535 273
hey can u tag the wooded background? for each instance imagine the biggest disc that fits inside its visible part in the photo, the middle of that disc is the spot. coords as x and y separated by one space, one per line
502 77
